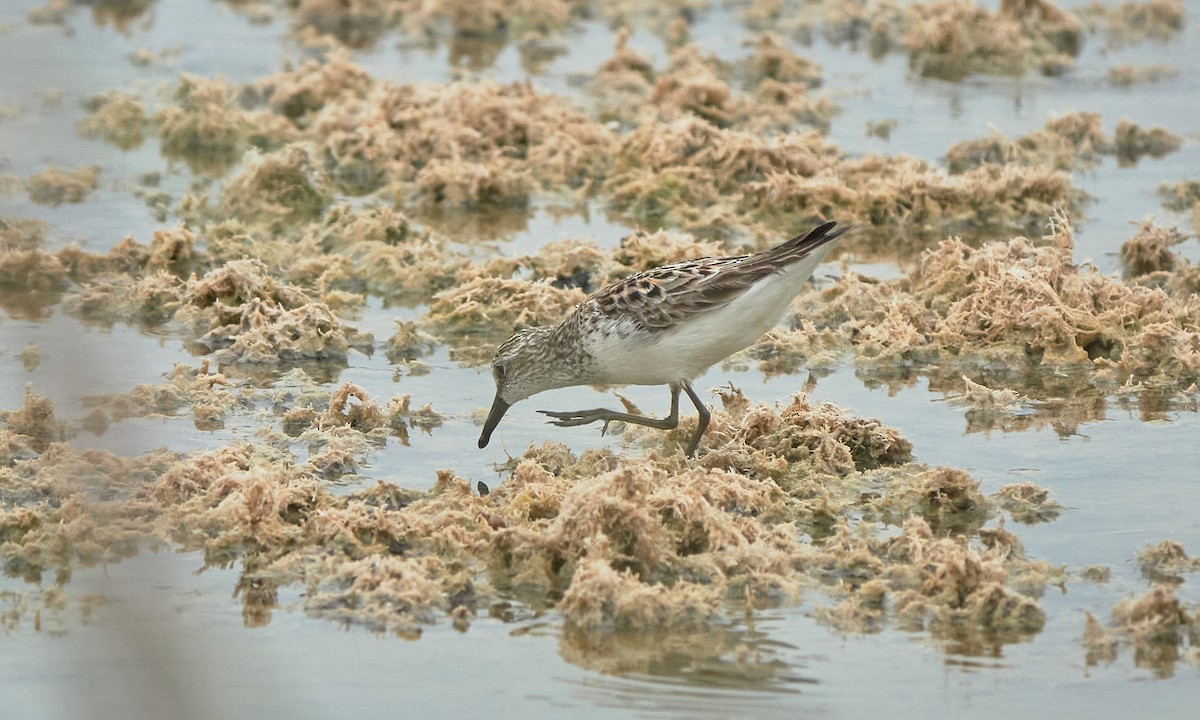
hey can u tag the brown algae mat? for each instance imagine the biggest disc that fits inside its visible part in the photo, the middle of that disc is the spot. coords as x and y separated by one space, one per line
326 186
792 501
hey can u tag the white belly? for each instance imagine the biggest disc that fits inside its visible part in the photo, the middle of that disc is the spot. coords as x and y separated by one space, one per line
685 352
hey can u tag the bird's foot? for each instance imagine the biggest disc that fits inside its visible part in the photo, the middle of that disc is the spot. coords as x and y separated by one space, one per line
581 417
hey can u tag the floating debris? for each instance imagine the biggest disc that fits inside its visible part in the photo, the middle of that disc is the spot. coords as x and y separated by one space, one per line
54 187
1166 562
116 118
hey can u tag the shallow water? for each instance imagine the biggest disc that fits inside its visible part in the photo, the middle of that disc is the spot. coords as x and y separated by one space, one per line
172 641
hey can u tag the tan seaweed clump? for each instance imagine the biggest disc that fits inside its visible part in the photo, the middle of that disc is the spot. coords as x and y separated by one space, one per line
631 545
1027 503
233 499
343 426
32 271
460 144
408 343
1132 142
772 59
375 248
622 81
1127 75
276 190
21 234
941 583
518 21
1157 625
1135 21
629 89
31 281
207 395
1008 307
1182 196
1149 250
682 172
486 123
355 25
603 600
51 520
987 408
907 193
204 129
301 92
955 586
469 185
648 544
250 317
54 187
953 39
117 118
801 440
1068 142
33 425
483 308
1166 562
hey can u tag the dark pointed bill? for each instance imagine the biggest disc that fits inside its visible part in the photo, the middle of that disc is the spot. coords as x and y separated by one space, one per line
499 407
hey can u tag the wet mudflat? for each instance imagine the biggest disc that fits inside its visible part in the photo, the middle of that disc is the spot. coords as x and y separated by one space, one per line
254 258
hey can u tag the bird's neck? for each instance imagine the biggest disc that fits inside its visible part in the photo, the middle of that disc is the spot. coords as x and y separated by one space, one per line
567 358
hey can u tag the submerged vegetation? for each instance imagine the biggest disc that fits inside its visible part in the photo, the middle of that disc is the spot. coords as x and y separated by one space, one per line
324 188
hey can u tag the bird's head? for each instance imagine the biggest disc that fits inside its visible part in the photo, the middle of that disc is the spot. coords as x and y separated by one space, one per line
522 366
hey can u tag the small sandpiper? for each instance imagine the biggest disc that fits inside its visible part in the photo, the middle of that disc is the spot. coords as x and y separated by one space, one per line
664 326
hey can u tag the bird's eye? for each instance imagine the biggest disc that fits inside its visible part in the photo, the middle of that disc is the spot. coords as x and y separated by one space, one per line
500 371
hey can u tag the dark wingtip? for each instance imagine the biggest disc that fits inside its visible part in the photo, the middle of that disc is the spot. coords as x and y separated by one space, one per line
822 234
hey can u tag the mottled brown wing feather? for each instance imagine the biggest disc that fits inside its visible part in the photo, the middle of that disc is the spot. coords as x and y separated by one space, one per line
665 296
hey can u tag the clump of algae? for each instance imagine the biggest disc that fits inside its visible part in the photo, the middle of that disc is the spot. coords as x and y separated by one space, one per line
1070 141
54 187
31 279
461 143
1132 142
207 394
239 309
33 426
1149 250
204 128
702 157
481 308
1126 75
954 39
1183 196
250 317
31 270
1009 307
21 234
1167 562
1027 503
300 93
117 118
1157 626
647 544
277 189
1132 22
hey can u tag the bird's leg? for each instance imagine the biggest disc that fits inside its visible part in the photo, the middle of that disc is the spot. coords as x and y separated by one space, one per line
704 417
670 422
583 417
